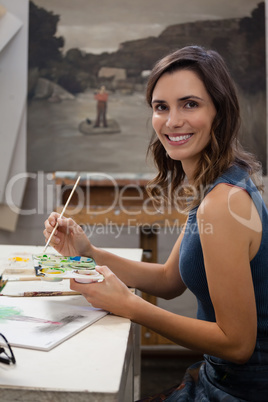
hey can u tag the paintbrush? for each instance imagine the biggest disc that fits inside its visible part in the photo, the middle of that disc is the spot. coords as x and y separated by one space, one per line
18 271
62 212
13 278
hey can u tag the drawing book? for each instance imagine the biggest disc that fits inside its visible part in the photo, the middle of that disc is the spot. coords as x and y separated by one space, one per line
43 323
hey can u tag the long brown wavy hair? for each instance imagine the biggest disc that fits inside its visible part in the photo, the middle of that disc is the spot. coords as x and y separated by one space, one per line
224 148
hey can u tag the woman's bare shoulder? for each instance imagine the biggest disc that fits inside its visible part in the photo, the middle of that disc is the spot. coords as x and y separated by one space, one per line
230 205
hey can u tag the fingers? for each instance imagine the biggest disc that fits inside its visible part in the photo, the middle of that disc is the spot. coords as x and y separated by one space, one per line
85 289
54 218
104 270
51 221
50 224
68 224
75 285
81 287
108 295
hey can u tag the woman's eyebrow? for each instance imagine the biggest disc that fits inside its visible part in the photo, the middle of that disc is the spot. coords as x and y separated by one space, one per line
190 97
180 99
158 101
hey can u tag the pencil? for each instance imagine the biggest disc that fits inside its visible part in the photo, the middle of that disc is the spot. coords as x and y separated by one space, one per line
62 212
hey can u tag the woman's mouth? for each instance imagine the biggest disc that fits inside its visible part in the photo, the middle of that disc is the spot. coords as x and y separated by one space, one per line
178 139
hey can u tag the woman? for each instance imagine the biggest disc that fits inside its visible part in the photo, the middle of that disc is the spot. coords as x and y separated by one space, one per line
222 252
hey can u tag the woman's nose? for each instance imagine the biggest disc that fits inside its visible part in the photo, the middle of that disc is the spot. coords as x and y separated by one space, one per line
174 119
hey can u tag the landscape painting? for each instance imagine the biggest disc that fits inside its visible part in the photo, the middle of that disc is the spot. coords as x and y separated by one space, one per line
88 66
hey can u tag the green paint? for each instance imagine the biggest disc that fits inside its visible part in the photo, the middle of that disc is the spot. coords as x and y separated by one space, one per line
7 311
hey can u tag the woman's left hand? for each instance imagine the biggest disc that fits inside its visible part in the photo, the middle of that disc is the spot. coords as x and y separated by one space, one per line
111 294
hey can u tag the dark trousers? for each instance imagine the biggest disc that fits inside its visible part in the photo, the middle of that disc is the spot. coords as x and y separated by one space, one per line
101 114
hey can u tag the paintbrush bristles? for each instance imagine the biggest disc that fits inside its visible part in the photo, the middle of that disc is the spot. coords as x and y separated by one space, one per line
2 283
62 212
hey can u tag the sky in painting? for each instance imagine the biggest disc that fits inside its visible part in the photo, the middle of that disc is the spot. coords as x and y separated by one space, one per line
98 26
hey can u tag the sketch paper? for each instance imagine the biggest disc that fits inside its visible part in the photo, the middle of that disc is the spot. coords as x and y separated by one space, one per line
43 324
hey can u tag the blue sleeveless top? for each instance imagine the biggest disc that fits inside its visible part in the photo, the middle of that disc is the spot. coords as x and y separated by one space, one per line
191 261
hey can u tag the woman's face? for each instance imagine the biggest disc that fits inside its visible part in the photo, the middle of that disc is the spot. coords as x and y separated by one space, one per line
183 113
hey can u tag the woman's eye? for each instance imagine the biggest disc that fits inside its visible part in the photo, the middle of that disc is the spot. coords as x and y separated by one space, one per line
160 108
191 104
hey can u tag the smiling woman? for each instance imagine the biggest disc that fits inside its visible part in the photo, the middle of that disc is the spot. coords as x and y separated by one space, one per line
192 120
195 115
183 113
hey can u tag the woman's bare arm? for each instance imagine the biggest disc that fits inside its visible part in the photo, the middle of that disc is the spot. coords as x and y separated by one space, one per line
161 280
227 255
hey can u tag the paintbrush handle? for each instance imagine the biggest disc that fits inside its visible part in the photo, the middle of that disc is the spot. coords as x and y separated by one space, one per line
62 212
23 278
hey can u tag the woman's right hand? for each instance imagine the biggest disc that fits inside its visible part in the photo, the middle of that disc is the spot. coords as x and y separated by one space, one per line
69 238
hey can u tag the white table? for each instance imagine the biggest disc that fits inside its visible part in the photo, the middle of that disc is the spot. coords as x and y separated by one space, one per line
99 363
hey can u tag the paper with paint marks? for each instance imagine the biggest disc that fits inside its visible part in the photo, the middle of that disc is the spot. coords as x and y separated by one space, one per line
43 323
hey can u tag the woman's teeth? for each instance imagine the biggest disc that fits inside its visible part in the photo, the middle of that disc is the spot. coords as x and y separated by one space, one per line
179 137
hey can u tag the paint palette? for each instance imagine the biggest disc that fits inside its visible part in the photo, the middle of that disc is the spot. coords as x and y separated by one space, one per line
55 268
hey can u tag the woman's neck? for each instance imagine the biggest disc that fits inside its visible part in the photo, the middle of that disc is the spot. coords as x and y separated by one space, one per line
189 169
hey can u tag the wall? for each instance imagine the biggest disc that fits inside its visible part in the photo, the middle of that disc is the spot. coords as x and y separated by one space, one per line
13 105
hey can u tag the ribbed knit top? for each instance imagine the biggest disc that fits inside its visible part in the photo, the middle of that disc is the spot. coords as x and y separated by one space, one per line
191 263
